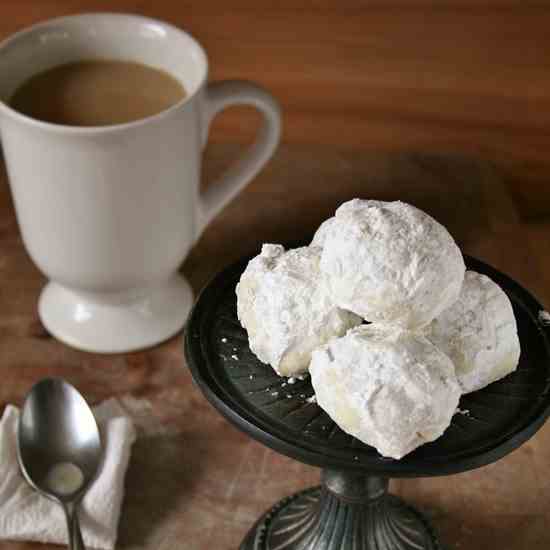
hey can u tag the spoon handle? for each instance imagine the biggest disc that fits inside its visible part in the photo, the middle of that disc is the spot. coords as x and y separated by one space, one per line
73 527
77 533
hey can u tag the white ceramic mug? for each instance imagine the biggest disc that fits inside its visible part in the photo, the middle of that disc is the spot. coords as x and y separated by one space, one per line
109 213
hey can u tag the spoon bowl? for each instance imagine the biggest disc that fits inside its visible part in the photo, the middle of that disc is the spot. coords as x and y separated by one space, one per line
59 447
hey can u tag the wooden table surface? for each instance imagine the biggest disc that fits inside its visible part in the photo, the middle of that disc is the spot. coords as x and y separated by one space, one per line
194 481
468 77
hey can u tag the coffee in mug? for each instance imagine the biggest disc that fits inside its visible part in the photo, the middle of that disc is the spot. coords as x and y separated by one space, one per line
97 93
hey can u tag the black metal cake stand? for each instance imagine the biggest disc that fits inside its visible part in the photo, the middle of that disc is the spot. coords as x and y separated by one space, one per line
352 509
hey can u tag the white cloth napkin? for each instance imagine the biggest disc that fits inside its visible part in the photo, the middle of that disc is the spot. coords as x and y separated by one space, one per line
27 515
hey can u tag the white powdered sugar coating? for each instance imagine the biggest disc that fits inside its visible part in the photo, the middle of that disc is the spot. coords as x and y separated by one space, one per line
390 263
286 309
479 333
391 389
322 231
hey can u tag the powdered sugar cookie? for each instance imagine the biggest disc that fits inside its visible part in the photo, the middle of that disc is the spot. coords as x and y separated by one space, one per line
390 388
478 332
286 309
389 262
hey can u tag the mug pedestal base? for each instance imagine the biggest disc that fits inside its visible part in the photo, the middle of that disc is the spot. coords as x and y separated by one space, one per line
105 326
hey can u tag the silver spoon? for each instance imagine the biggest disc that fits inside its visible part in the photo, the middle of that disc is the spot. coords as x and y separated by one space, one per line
59 448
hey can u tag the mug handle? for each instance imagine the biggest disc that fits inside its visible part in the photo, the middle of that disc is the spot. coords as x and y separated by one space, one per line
218 96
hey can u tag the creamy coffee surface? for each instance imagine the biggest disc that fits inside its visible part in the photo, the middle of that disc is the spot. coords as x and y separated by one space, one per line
97 93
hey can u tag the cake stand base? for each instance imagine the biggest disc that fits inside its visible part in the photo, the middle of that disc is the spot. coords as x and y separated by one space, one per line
348 511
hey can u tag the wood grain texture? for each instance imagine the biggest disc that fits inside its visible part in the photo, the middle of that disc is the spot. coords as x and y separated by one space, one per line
195 482
355 79
448 76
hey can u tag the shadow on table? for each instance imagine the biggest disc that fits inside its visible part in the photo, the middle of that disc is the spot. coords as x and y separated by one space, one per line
301 187
158 478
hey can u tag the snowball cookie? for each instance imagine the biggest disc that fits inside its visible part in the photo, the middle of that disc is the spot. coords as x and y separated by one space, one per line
391 263
478 332
390 388
286 309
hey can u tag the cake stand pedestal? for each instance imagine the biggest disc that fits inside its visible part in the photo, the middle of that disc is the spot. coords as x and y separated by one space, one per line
352 509
349 511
